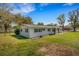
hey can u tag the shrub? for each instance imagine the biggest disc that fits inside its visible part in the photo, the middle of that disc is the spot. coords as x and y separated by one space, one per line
17 31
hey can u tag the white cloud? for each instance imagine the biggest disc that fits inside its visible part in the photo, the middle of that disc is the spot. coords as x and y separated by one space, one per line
23 8
41 5
44 4
68 4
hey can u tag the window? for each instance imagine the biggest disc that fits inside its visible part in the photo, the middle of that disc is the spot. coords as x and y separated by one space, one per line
40 30
54 29
43 29
49 29
26 30
35 30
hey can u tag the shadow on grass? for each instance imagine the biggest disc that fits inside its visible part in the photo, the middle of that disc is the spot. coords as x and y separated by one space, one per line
19 37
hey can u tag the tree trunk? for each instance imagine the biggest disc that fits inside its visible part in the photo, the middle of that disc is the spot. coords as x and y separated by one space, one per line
54 30
58 30
74 29
62 28
5 27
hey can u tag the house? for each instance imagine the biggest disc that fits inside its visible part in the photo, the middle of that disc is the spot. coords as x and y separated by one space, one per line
32 31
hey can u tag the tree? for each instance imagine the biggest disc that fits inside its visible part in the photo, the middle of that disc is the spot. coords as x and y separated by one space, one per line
61 20
22 19
73 19
5 17
40 23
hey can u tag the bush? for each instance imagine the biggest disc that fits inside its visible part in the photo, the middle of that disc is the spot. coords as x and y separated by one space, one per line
17 31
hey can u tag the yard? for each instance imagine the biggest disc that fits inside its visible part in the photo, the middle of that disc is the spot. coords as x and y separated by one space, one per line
66 43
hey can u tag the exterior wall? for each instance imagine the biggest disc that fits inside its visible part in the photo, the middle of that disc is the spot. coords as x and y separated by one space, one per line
23 33
36 34
32 34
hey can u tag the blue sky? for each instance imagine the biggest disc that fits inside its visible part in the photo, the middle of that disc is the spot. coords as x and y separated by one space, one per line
44 12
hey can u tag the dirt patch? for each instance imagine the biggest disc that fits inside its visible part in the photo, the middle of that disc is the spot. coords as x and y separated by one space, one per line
58 50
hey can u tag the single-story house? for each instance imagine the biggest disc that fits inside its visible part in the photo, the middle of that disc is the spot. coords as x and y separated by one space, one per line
32 31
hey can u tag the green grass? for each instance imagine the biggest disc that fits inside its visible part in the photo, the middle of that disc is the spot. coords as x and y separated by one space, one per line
67 38
12 45
19 36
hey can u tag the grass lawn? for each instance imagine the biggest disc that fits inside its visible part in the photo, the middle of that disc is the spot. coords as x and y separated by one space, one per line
11 45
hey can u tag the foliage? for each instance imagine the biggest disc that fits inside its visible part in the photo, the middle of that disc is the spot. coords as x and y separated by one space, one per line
74 18
6 18
61 20
23 20
17 31
40 23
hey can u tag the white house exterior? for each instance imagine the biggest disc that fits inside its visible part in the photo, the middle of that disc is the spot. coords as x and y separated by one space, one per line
32 31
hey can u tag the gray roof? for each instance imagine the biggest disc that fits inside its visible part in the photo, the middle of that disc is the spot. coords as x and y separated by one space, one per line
38 26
